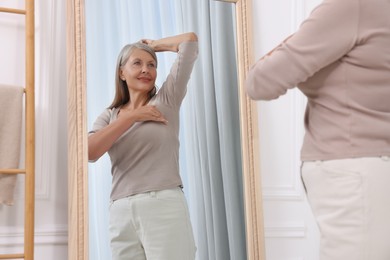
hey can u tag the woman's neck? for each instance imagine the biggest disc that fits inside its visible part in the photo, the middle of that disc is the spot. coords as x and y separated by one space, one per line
137 100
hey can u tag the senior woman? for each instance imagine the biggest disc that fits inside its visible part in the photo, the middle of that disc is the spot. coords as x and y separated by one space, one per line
149 217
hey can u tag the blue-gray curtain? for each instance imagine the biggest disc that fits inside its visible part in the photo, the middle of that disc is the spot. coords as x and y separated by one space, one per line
210 155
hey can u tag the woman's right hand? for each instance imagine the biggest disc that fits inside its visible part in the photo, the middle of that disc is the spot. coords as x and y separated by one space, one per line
101 141
144 113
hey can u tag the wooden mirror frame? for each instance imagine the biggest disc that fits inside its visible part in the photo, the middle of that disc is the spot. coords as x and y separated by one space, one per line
77 134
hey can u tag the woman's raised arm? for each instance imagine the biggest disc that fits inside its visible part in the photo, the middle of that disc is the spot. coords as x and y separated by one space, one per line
170 43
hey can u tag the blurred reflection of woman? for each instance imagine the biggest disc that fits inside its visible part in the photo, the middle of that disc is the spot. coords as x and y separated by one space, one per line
340 59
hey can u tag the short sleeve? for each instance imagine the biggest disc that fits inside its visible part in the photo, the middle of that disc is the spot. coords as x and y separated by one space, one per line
102 121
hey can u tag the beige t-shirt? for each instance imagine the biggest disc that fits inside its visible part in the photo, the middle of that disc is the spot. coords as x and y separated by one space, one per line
340 59
146 157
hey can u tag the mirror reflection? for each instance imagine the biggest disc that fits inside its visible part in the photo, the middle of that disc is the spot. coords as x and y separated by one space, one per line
209 153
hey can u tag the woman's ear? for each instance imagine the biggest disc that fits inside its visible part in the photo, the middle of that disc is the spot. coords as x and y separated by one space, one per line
121 76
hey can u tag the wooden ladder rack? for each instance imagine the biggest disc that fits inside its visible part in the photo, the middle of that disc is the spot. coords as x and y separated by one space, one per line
29 170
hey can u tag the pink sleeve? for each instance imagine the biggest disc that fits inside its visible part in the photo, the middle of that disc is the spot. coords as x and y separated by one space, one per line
327 35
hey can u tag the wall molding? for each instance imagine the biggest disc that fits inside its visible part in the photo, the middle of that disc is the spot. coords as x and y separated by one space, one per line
286 230
293 190
14 237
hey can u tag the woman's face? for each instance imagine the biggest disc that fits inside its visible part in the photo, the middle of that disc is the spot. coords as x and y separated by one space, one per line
140 71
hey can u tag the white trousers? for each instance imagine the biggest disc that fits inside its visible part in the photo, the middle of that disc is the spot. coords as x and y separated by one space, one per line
153 226
350 199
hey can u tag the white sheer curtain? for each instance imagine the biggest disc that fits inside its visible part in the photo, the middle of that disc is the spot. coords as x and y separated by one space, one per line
210 139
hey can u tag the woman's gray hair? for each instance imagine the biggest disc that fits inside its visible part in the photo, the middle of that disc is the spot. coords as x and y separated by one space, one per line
128 49
122 95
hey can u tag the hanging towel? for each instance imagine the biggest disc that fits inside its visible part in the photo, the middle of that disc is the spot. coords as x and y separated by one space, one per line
11 109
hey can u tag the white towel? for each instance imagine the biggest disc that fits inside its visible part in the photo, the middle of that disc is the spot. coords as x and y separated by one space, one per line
11 109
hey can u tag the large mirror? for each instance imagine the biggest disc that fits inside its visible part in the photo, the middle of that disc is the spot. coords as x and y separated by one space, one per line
78 169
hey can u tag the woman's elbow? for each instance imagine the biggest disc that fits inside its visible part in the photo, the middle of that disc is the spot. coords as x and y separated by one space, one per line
192 37
258 87
92 157
252 89
251 92
256 93
93 154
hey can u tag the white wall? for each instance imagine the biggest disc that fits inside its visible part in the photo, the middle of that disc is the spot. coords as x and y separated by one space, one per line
51 124
290 230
